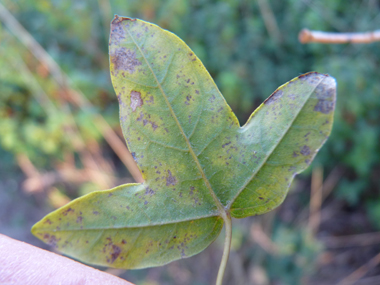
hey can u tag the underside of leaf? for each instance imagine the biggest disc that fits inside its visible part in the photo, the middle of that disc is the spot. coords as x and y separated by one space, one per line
197 162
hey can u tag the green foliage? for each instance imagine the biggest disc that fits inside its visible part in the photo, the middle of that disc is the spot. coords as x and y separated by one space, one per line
200 167
231 39
297 251
374 212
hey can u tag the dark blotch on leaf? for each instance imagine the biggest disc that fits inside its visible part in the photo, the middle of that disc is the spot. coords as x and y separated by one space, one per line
325 92
170 180
324 106
149 191
305 150
51 240
65 212
115 253
274 97
136 100
125 59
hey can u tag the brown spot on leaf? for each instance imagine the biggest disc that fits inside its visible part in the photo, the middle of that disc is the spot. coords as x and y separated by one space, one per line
274 97
65 212
154 126
150 100
125 59
47 221
325 92
136 100
305 150
324 106
311 77
51 240
170 180
226 144
149 191
117 32
115 253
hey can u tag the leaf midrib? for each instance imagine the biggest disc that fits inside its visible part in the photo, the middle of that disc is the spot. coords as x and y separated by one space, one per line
195 158
275 146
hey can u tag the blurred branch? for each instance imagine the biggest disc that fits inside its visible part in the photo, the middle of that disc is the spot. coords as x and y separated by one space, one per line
106 14
361 271
352 240
328 185
119 148
263 240
27 39
27 166
315 199
87 158
34 184
307 36
369 280
37 91
61 78
269 20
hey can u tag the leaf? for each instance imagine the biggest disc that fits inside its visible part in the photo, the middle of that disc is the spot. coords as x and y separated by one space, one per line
198 164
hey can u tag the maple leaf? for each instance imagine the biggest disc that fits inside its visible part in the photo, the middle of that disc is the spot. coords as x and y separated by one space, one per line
200 168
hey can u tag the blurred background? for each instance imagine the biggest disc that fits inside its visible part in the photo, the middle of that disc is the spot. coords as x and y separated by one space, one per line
60 137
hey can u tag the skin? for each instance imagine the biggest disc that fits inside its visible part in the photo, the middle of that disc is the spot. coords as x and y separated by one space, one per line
22 263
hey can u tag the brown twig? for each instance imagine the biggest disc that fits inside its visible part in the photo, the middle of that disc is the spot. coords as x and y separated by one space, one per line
361 271
369 280
316 199
352 240
327 187
269 20
27 166
307 36
35 184
261 238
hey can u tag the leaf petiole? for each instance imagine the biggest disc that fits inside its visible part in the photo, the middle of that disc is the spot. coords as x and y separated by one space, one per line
227 246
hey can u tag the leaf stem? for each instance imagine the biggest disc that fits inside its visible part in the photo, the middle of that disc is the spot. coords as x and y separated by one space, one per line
227 246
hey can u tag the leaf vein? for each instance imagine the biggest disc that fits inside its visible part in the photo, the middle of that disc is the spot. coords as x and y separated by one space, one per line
272 150
208 185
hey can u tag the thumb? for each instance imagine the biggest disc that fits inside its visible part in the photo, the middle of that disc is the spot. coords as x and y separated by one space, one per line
22 263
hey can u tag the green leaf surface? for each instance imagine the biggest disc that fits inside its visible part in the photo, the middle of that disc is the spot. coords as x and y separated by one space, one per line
198 164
